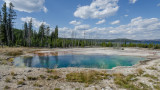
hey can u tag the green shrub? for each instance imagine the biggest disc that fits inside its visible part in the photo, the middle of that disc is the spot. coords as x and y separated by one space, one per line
6 87
56 77
50 71
157 87
151 76
42 77
32 78
7 80
37 85
57 89
20 83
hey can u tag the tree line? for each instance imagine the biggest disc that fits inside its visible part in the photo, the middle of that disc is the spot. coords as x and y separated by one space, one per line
28 37
7 16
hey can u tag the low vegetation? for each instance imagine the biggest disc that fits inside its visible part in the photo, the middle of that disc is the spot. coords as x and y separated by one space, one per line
144 86
6 87
32 78
152 68
139 71
57 89
125 81
21 83
151 76
42 76
129 82
50 71
8 80
15 53
87 77
157 87
37 85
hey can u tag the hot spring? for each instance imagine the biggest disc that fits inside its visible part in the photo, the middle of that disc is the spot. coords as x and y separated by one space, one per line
82 61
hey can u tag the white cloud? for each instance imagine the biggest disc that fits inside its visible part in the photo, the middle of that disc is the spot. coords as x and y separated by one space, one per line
115 22
82 27
75 22
97 9
101 21
126 15
158 5
138 28
28 5
133 1
35 22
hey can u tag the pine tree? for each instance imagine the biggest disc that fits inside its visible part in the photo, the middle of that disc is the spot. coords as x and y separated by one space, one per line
4 33
52 38
41 34
47 35
25 34
56 32
11 17
30 31
0 28
56 36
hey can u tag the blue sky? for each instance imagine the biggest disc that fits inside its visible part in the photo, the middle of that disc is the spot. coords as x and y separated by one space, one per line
105 19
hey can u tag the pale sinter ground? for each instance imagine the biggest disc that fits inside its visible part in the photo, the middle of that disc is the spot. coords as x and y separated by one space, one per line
145 75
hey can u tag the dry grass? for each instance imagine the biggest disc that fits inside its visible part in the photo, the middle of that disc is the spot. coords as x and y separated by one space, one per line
139 71
152 68
11 51
8 80
6 87
151 76
21 83
125 81
87 77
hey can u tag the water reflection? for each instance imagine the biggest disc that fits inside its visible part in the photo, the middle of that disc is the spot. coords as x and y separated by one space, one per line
85 61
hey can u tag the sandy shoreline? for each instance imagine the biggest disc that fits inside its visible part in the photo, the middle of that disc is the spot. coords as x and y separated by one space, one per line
22 73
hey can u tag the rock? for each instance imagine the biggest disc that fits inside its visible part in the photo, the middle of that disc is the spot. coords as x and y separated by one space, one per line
108 88
29 70
19 86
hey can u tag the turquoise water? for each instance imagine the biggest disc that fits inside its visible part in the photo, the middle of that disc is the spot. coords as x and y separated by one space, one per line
84 61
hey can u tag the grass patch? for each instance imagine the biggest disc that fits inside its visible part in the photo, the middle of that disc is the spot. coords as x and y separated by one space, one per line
53 77
87 77
125 81
20 83
50 71
6 87
8 80
3 62
42 76
139 71
13 74
144 86
151 68
77 89
151 76
14 53
37 85
56 77
157 87
32 78
11 59
57 89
